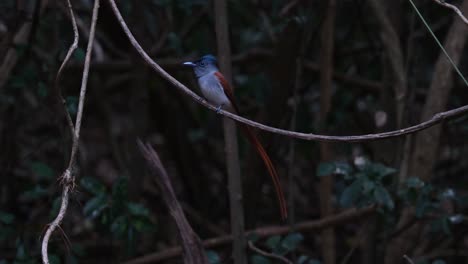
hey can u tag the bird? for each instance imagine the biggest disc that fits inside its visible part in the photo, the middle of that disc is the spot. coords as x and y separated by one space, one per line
216 89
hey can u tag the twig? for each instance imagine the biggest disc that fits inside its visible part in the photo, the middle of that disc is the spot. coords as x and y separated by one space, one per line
61 100
67 176
314 225
436 119
454 8
268 254
408 259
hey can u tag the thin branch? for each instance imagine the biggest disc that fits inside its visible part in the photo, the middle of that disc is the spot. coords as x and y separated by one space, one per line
454 8
67 177
436 119
268 254
314 225
410 261
73 47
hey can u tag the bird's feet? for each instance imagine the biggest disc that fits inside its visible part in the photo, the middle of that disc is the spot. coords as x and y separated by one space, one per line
218 109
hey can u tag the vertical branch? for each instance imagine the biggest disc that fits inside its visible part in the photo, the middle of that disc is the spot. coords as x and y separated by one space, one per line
231 148
292 146
305 40
326 71
67 176
60 100
391 43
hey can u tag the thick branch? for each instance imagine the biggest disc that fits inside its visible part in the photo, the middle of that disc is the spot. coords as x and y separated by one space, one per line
230 137
327 41
314 225
193 251
391 42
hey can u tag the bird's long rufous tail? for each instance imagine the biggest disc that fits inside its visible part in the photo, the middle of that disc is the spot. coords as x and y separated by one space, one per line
257 145
269 165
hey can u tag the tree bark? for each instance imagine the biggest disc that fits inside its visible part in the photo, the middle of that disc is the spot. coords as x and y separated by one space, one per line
326 82
230 137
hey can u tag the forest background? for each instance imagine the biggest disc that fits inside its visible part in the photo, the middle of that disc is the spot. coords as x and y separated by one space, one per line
336 68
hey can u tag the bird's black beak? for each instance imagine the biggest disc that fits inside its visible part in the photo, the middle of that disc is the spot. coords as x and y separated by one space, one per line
189 63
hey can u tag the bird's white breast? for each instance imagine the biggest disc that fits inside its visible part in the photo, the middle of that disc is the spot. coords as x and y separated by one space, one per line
212 90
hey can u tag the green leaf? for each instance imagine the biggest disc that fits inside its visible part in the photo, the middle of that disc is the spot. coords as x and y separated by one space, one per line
253 237
72 104
273 242
351 194
368 186
6 218
42 90
291 241
195 135
213 257
20 251
78 250
446 225
422 207
95 206
382 197
54 259
325 169
414 182
342 168
383 170
257 259
55 207
137 209
7 232
119 226
142 224
119 195
302 259
34 194
42 170
79 54
329 168
174 42
92 185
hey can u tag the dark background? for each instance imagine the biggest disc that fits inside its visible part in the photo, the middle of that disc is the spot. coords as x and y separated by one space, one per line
279 49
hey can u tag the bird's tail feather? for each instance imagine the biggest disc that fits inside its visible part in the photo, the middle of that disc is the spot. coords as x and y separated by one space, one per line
269 165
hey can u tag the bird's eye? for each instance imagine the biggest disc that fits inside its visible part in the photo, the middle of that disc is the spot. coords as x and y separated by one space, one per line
202 63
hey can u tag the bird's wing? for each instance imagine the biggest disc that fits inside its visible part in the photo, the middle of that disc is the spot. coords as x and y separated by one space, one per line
227 90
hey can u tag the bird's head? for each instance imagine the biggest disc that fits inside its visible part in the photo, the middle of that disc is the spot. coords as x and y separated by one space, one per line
204 65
